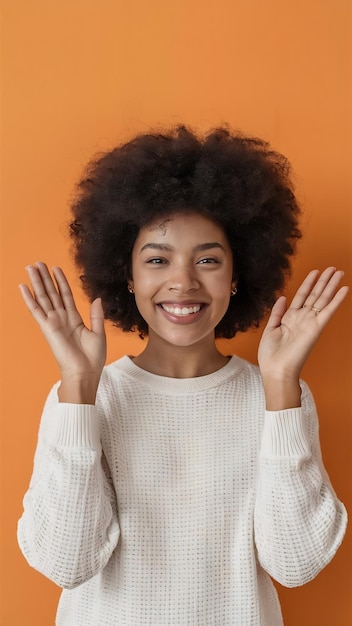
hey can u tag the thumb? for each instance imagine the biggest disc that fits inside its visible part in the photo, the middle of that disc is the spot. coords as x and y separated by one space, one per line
277 313
97 317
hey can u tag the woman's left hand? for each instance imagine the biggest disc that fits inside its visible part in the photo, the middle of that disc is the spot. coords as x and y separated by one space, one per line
291 332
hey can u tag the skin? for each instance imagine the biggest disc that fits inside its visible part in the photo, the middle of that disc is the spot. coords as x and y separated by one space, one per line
179 264
170 268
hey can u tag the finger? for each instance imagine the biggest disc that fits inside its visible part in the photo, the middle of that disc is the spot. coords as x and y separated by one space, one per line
304 290
49 286
32 304
97 317
324 314
325 291
64 289
277 312
39 290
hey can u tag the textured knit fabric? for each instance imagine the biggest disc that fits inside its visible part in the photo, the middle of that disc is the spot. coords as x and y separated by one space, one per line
172 501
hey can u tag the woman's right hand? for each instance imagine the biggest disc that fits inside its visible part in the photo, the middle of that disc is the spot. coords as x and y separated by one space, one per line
79 352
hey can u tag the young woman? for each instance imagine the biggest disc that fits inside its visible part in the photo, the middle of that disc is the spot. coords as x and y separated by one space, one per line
169 487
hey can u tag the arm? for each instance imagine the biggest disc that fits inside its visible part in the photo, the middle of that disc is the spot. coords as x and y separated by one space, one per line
69 527
299 522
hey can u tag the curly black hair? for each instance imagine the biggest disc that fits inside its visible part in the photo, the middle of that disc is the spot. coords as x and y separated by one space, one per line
238 181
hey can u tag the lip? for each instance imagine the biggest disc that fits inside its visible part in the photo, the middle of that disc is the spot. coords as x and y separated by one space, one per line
182 319
181 303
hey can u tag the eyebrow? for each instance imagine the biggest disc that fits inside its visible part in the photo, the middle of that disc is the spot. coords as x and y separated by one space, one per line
167 248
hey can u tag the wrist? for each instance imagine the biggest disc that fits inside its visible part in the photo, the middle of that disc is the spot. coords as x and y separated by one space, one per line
78 391
281 394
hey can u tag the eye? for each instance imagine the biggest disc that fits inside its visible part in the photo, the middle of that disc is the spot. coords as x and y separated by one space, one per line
156 261
208 260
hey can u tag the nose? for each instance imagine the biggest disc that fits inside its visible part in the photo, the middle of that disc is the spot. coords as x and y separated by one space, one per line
183 280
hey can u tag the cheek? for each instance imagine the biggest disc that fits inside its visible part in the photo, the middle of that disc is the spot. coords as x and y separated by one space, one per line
220 284
145 290
146 283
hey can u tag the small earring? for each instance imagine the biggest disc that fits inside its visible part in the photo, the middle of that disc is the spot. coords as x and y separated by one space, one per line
130 288
233 291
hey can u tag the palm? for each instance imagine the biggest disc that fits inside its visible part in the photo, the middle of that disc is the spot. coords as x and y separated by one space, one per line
78 350
292 332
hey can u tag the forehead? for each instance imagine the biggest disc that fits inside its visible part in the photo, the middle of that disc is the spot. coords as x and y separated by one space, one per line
190 225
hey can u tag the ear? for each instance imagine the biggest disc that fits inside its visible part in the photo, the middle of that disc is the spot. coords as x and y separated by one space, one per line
130 286
233 288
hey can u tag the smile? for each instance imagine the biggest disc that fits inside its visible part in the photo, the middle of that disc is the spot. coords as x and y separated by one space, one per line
182 311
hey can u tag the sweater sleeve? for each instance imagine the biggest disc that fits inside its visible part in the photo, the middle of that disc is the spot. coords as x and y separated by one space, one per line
298 522
69 527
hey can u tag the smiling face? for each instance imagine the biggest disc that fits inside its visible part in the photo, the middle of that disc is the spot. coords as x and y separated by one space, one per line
182 275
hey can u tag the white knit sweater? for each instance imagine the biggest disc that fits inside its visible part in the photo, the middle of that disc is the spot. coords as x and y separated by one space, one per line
198 497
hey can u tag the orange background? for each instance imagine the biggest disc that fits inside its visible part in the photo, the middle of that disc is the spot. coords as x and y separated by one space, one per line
81 75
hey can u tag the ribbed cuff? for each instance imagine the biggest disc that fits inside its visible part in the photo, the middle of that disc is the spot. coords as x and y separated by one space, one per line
284 434
77 426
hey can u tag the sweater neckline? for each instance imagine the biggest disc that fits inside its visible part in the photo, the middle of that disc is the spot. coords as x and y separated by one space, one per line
180 385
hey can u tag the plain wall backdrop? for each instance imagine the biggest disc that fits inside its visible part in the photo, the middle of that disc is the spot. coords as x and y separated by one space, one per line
82 75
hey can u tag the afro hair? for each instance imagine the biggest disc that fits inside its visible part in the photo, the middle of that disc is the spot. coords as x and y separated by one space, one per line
235 180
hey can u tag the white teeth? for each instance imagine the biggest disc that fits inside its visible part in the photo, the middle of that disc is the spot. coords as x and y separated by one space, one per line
185 310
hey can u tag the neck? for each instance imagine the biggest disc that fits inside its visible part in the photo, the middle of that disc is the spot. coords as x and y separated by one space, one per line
181 362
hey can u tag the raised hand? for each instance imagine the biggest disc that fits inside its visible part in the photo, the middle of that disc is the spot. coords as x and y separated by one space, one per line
291 332
80 352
